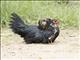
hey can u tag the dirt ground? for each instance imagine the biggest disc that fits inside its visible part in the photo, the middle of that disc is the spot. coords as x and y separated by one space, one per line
66 46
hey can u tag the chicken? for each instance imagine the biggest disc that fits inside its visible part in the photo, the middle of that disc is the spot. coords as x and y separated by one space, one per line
56 31
44 23
42 33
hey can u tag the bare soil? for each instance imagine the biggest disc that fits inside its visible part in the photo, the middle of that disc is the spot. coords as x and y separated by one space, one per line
66 46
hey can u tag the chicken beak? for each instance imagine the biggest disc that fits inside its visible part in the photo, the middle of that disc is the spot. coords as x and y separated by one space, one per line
53 25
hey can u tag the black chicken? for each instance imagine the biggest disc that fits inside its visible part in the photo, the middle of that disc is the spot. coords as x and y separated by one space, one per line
45 32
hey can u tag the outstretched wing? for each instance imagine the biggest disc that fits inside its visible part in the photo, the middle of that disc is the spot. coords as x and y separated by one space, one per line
17 25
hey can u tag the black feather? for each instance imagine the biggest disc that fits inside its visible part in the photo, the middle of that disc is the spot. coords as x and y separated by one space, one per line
32 33
17 24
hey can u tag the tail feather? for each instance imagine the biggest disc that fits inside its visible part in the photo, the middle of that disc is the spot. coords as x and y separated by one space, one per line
16 17
17 25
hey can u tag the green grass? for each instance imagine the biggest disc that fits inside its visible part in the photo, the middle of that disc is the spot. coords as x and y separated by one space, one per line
32 11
